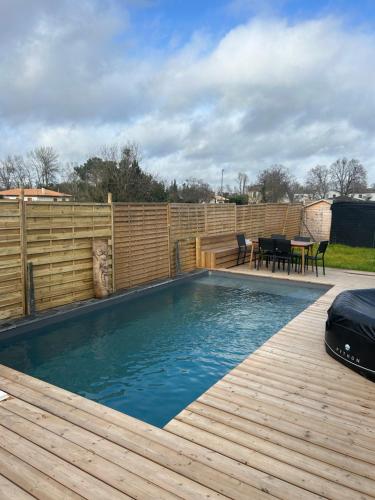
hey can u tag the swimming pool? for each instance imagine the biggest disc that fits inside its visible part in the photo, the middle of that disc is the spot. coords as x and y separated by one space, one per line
152 355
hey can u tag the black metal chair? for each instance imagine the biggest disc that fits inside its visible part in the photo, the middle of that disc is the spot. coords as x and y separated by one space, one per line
266 252
242 248
284 253
278 236
319 255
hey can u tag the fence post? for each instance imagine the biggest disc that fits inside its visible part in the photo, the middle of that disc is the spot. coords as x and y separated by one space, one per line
197 251
110 203
23 249
30 289
169 238
285 219
266 232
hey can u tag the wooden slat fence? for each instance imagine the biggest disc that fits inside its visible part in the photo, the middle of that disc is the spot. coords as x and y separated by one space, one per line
59 245
141 243
270 218
293 220
57 239
220 218
12 299
187 220
251 220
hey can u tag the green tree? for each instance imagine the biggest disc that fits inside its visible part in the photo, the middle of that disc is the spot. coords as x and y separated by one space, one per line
125 179
238 199
195 191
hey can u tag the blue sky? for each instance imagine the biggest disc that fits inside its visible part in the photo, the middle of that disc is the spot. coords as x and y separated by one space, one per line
157 22
200 86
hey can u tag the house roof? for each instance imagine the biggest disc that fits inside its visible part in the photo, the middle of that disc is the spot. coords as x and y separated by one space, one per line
33 192
318 201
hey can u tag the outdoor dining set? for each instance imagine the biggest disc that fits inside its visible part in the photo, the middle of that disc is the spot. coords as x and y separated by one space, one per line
297 253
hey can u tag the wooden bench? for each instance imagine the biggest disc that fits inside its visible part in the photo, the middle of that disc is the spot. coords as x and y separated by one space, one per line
217 251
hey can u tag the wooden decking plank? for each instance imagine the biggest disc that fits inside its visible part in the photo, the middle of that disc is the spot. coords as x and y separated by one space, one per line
19 469
269 415
295 468
279 376
296 415
157 474
282 489
285 400
242 455
310 332
319 358
311 362
89 462
151 442
312 386
304 366
304 397
9 490
310 344
314 375
267 428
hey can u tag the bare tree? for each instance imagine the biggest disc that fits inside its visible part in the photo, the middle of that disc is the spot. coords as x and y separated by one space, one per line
14 172
347 176
7 172
242 180
276 183
44 161
293 187
318 181
110 152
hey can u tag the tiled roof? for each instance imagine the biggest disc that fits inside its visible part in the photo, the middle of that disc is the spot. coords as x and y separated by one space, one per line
32 192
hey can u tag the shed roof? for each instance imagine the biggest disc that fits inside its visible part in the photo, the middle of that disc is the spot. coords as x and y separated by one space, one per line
318 201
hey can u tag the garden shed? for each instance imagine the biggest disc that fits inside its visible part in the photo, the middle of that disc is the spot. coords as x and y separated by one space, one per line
317 220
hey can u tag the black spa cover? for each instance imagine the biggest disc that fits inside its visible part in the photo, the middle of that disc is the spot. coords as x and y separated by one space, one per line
350 330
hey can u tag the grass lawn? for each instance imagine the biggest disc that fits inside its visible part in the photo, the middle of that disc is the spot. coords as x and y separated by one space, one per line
344 257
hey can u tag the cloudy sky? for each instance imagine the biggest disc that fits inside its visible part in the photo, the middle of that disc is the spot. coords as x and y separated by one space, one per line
200 85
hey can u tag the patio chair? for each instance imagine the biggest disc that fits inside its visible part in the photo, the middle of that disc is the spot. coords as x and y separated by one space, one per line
278 236
242 248
284 253
319 255
266 252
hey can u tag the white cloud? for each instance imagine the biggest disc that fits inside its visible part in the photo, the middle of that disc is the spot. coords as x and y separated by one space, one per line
267 92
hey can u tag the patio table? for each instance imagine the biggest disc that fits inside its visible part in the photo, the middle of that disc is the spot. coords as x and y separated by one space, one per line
303 245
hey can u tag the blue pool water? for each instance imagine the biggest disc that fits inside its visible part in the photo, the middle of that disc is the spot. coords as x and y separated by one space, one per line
151 356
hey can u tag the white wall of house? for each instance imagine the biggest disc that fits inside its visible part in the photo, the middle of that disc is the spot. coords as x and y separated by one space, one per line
365 196
37 198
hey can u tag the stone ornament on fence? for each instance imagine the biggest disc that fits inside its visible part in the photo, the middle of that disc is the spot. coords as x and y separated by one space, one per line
100 268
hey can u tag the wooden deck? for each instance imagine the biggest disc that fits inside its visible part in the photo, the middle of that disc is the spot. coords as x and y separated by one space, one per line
289 422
